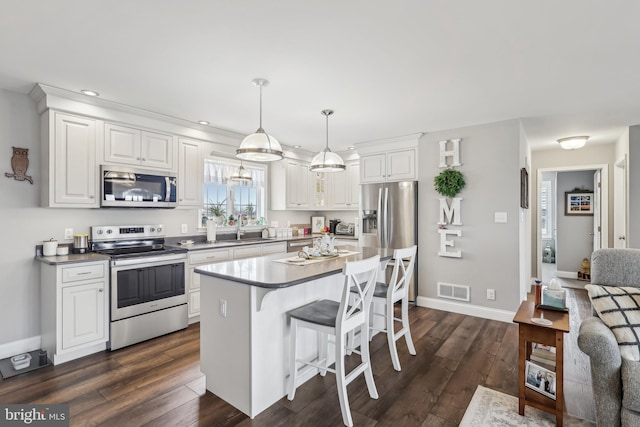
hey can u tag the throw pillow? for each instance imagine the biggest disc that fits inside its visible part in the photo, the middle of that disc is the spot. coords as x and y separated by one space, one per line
619 309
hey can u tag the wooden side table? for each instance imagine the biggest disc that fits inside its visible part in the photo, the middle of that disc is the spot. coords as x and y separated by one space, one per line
552 335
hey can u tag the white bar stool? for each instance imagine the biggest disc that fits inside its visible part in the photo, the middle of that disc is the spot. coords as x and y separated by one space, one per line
338 319
389 294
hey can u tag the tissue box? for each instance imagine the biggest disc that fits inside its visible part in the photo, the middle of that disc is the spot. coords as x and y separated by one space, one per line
555 298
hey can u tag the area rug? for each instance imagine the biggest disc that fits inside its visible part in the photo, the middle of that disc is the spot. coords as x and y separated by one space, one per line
493 408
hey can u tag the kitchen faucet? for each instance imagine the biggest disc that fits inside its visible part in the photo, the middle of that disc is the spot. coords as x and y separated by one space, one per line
240 232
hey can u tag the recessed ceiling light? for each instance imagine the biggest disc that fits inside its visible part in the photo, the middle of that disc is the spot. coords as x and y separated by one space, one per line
351 148
90 92
297 146
203 122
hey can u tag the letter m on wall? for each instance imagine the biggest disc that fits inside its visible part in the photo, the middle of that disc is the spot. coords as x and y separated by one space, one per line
450 214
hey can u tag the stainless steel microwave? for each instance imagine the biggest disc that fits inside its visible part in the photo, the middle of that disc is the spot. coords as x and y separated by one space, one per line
137 188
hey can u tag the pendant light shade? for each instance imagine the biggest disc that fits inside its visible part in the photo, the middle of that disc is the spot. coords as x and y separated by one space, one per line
326 160
573 142
260 146
241 174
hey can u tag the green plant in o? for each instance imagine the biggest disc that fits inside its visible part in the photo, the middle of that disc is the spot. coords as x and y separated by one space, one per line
449 182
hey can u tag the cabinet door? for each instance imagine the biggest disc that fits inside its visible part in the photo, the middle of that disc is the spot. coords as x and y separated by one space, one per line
345 188
319 183
373 168
353 170
121 145
83 314
190 179
401 165
194 303
156 150
74 176
297 185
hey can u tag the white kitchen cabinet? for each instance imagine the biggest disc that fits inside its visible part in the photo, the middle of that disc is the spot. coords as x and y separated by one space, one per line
247 252
68 158
292 185
74 309
131 146
389 166
200 258
274 248
344 188
190 175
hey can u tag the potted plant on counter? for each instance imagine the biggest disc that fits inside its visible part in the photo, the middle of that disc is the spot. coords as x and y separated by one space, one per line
217 212
250 212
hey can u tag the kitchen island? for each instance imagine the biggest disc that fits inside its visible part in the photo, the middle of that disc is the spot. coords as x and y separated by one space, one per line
244 330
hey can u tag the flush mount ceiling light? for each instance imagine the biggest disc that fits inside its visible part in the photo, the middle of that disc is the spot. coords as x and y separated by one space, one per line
260 146
203 122
573 142
241 174
326 160
90 92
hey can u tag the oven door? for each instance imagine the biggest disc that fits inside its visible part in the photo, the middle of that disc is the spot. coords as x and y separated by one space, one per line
146 284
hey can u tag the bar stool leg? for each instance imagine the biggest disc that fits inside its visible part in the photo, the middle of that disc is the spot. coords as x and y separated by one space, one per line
365 357
323 340
391 337
405 325
341 381
293 370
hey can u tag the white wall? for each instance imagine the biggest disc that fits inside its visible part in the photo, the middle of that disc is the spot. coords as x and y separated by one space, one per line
574 239
633 238
490 156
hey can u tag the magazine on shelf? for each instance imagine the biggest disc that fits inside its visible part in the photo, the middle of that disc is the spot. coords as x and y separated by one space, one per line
540 379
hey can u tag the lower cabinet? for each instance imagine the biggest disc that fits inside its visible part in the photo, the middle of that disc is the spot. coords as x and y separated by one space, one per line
203 257
74 309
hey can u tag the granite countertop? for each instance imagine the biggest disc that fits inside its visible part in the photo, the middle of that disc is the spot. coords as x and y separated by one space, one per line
265 273
72 258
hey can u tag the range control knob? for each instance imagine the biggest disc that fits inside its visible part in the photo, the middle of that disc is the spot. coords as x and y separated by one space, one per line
159 229
152 229
109 231
100 231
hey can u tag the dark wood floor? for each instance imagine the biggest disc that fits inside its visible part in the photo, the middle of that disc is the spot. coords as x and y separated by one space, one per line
159 383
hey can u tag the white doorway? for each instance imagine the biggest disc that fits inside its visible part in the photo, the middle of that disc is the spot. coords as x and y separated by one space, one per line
620 204
548 205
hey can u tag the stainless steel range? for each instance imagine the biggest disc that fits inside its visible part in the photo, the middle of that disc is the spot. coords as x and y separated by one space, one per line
148 295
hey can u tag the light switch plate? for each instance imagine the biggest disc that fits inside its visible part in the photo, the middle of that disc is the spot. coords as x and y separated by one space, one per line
184 228
500 217
68 233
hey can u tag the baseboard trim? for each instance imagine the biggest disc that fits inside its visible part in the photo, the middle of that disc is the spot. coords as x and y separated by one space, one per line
468 309
567 274
21 346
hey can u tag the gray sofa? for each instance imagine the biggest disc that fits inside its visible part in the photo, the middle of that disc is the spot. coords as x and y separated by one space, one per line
615 381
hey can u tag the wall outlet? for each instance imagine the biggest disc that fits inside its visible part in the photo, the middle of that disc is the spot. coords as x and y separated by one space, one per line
223 307
184 228
68 233
491 294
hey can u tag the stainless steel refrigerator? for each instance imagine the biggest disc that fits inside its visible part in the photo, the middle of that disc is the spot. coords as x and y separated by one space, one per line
389 215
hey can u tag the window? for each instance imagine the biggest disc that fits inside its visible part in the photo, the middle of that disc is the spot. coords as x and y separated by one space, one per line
235 200
547 210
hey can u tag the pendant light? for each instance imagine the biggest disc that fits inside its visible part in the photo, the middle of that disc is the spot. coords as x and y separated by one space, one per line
326 160
241 174
260 146
573 142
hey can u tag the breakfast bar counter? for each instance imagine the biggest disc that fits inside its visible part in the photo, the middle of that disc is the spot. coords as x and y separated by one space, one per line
244 329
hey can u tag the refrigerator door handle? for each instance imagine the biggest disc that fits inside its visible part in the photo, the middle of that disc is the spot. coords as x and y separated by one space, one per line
380 218
387 226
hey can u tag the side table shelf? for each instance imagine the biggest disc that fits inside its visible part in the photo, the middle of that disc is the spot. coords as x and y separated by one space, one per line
552 335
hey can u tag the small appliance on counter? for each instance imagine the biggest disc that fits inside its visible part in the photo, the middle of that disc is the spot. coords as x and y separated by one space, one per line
80 243
332 225
345 229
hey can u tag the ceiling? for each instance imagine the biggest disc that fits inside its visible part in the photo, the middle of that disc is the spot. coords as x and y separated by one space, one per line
387 68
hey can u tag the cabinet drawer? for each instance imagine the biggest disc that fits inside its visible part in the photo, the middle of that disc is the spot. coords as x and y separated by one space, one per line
247 252
83 272
274 248
207 257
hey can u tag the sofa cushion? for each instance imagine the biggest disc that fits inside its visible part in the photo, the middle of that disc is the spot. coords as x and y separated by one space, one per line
619 309
631 386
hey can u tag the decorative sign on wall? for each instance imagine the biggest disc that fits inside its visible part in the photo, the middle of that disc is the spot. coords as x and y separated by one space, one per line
449 183
19 164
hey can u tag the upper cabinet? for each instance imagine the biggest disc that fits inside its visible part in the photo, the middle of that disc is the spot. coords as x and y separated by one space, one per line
190 175
291 185
69 175
389 166
344 188
130 146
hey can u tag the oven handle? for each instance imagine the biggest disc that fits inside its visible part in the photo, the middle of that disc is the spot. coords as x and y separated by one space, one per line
138 261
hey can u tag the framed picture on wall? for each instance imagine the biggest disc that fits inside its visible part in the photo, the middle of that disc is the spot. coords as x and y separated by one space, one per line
317 224
524 188
579 203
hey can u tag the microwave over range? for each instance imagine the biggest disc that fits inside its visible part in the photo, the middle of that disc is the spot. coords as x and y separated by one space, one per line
137 188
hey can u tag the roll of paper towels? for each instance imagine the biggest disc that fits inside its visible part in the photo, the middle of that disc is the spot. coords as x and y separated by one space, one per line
211 230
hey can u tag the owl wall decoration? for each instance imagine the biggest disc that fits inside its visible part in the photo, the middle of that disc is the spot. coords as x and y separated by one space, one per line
20 163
